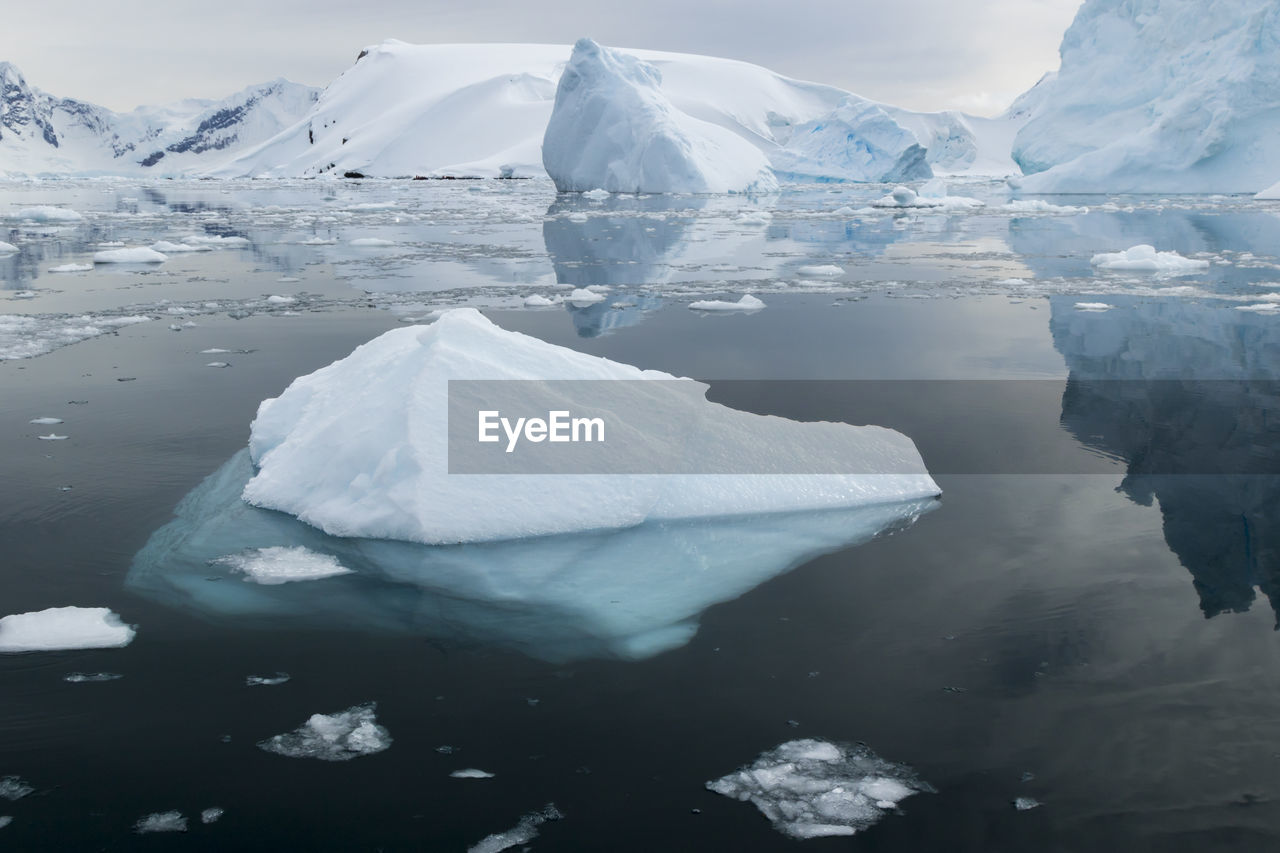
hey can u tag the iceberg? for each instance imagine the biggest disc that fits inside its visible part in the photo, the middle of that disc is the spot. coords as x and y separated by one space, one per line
1145 258
1270 193
813 788
361 448
613 128
857 141
341 736
1157 96
136 255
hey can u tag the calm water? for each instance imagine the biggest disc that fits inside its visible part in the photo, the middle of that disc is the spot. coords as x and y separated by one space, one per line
1088 603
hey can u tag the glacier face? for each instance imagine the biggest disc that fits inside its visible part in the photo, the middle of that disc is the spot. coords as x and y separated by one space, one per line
1158 96
612 128
41 134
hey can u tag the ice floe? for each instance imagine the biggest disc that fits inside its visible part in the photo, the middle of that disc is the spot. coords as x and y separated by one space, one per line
45 421
1145 258
471 773
91 677
266 680
522 833
65 268
812 788
24 336
372 242
340 736
48 213
746 303
64 628
161 822
52 437
165 247
1093 306
134 255
7 248
283 565
1023 804
15 788
211 815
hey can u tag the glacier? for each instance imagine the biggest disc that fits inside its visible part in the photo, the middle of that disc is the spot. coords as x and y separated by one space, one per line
1157 96
612 128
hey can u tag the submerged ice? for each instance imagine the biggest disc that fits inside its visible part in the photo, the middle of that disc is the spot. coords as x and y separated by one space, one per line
813 788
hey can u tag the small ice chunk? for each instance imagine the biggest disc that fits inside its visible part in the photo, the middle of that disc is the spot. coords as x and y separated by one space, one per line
821 269
746 303
372 241
135 255
471 773
14 788
1093 306
1037 205
318 241
1023 804
52 437
277 565
211 815
177 248
1144 258
215 240
71 268
90 677
754 217
5 820
276 299
537 300
266 680
218 364
904 196
64 628
597 194
214 351
161 822
812 788
582 296
45 421
522 833
48 213
8 249
340 736
288 279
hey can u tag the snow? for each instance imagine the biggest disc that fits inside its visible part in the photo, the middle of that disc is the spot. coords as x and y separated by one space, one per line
746 303
71 268
813 788
283 565
613 128
857 141
471 773
161 822
522 833
136 255
392 482
340 736
48 213
1158 96
64 628
1145 258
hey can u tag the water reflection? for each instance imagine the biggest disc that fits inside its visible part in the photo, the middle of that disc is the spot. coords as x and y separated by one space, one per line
628 594
1203 399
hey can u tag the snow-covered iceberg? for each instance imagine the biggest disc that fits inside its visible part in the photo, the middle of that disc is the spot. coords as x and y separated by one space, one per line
612 128
362 447
1158 96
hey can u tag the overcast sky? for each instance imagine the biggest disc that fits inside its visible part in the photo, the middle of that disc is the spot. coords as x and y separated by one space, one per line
975 55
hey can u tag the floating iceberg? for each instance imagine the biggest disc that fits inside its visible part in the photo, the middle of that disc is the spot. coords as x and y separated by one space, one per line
361 448
1157 96
857 141
813 788
1145 258
136 255
64 628
333 737
612 128
746 303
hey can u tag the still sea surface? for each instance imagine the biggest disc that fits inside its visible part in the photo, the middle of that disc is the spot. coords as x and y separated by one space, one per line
1085 618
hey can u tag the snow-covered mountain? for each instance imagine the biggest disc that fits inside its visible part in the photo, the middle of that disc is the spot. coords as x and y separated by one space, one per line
45 135
482 110
1158 96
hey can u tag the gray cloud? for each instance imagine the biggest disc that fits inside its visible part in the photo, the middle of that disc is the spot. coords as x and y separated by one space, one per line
924 54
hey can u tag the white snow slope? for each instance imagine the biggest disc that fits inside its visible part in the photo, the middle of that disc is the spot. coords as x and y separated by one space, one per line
44 135
482 110
612 128
1158 96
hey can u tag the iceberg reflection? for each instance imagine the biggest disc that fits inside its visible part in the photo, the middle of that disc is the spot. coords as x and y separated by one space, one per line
629 593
